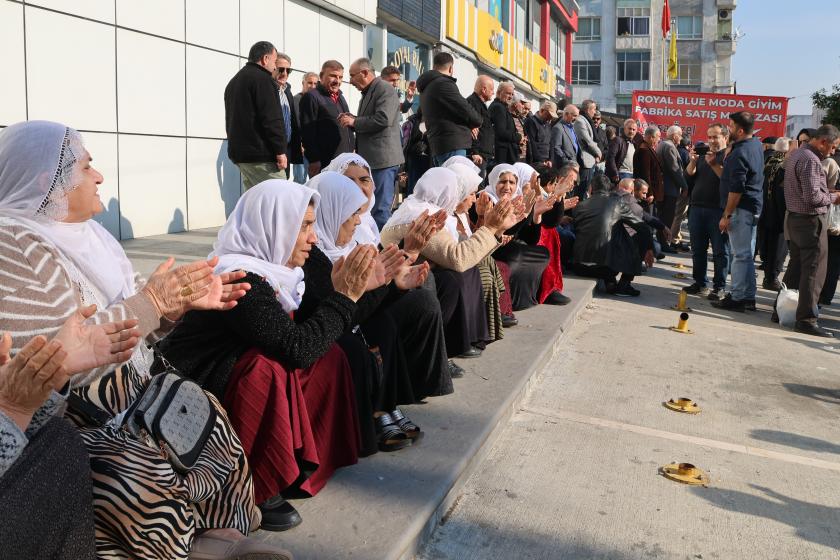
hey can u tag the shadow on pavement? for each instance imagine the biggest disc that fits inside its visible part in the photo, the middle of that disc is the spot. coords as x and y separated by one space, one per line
795 440
818 393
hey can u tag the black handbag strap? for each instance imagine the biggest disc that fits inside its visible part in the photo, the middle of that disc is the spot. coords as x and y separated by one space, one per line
89 411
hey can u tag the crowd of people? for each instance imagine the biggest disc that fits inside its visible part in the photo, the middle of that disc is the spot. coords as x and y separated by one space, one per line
325 305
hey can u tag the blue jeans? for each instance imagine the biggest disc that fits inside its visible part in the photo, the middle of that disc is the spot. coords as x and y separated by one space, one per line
703 227
440 159
624 175
384 181
299 171
742 229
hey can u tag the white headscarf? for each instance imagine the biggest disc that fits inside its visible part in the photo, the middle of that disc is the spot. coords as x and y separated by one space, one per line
468 182
340 199
461 160
525 173
436 190
260 235
493 181
368 232
38 168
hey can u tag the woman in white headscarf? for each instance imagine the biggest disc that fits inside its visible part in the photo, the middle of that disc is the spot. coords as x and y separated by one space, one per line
458 281
356 168
48 195
285 383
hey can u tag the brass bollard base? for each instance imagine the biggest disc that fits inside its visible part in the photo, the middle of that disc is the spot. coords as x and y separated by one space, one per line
682 404
686 473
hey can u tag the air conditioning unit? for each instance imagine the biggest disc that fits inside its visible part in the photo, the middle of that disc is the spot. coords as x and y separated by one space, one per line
724 15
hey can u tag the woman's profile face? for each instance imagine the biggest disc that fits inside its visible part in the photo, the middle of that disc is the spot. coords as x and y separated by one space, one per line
507 184
83 202
361 177
345 232
804 138
465 205
306 238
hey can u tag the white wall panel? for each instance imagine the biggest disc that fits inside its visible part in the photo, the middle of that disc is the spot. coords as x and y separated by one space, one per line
101 10
213 183
301 36
13 91
261 20
153 194
103 150
208 73
466 73
161 17
334 40
82 93
214 24
151 84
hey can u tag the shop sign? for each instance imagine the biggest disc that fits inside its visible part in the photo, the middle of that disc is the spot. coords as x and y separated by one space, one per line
497 41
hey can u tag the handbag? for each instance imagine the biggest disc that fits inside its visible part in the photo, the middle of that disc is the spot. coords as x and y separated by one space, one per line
173 414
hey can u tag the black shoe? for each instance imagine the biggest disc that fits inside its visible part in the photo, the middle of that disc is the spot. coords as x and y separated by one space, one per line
626 290
668 249
774 317
509 321
749 304
806 327
825 303
660 257
455 371
729 304
473 352
696 289
714 295
278 515
771 284
556 298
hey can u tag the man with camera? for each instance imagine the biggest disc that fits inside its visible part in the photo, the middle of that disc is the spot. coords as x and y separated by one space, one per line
704 169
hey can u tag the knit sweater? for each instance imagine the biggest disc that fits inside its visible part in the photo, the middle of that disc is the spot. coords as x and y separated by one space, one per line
37 296
443 251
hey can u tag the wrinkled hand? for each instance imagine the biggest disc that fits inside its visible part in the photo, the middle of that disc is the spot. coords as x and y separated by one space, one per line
282 162
650 199
506 239
567 185
27 379
500 217
483 204
422 229
350 274
543 205
649 258
477 159
347 120
89 346
224 290
410 277
173 290
570 203
723 225
387 263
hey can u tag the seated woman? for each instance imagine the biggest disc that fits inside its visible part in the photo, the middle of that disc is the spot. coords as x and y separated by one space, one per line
337 216
417 314
286 384
457 279
48 195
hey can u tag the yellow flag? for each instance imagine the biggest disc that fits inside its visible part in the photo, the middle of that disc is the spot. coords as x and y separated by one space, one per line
672 56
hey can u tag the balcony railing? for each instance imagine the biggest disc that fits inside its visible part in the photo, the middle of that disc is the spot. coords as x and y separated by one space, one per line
725 45
625 86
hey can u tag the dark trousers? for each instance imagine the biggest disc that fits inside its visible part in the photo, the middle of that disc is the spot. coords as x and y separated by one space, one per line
808 243
703 227
604 273
582 188
832 270
665 211
774 251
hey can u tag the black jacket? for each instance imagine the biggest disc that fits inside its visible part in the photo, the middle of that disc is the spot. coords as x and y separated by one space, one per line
449 118
616 152
253 117
293 151
485 144
507 138
539 139
600 137
600 235
323 138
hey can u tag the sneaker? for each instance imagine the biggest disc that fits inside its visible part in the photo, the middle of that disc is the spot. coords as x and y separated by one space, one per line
715 294
626 290
455 371
729 304
749 304
697 289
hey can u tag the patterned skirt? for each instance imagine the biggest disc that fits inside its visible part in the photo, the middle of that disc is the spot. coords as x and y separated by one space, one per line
492 286
142 507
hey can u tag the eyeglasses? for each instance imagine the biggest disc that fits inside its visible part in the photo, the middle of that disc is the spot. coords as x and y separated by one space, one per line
281 70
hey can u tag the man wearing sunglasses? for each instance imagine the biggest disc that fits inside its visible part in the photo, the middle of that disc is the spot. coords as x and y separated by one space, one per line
287 105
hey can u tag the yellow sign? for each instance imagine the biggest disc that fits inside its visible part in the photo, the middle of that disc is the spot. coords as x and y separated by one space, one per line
483 34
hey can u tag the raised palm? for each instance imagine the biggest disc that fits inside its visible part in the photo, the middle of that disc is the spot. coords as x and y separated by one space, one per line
89 346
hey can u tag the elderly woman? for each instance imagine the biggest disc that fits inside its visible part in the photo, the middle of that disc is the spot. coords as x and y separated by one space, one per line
457 279
48 193
771 222
286 384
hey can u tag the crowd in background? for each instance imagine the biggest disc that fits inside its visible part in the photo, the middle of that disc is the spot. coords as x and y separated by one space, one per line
412 234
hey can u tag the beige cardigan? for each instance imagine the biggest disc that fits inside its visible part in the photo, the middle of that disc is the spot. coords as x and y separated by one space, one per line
444 251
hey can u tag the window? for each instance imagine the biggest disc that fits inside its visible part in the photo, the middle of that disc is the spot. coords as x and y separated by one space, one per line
688 73
586 72
689 27
624 109
633 66
520 21
589 29
633 21
557 46
535 19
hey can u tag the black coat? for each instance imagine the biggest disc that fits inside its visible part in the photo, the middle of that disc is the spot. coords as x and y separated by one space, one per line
293 149
449 118
507 138
539 139
253 117
485 144
600 235
206 344
616 153
323 138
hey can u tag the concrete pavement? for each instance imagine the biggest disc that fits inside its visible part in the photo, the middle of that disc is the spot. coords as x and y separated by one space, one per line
574 475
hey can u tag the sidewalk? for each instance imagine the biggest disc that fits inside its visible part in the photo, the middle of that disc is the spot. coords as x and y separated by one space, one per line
386 506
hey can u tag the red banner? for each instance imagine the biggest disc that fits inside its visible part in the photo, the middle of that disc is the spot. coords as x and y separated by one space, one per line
694 112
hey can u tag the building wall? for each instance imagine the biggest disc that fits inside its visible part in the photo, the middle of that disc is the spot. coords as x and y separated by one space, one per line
144 82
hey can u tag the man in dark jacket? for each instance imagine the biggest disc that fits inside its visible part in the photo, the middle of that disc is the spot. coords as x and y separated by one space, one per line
323 137
538 130
603 250
301 170
257 140
484 143
620 154
507 138
291 121
377 127
451 123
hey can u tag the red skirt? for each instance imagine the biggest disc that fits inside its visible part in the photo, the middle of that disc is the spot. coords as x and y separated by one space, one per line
505 303
552 277
293 422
